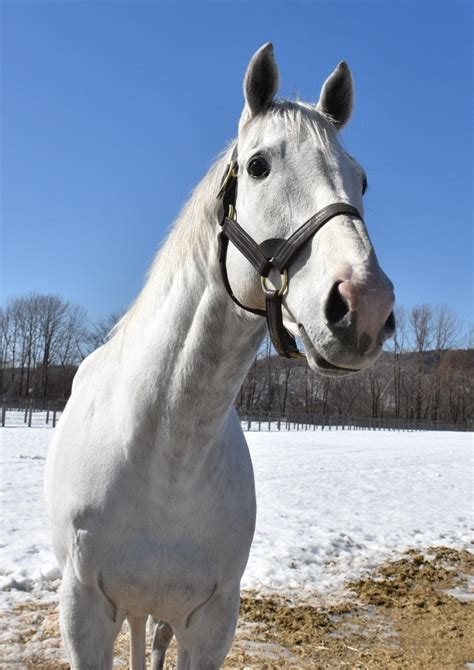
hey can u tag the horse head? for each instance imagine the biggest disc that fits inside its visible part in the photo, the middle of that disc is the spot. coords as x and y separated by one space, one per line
289 165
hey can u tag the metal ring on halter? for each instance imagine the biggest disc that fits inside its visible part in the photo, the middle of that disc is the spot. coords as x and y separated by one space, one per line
232 214
279 291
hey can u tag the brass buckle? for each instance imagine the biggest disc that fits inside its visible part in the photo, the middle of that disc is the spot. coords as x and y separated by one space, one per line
231 173
279 291
232 214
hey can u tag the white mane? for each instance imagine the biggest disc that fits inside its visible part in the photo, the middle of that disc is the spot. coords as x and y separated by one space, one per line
190 238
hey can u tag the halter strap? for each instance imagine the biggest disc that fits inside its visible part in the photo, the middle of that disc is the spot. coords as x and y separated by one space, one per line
271 254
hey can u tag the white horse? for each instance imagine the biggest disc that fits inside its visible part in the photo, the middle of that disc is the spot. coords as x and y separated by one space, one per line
149 482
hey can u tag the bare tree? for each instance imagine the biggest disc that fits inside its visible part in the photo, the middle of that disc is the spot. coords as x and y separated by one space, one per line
446 332
287 368
67 344
37 332
398 346
27 314
421 323
446 329
6 336
53 312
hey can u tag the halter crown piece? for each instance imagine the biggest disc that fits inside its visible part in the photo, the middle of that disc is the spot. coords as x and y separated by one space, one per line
271 254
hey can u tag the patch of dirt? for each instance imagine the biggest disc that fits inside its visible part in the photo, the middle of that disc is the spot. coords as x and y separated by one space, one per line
414 613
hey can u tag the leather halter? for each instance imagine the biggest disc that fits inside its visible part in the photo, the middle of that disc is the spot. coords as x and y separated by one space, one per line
268 255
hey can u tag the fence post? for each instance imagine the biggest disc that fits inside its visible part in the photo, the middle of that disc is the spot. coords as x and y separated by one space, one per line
4 413
47 414
30 413
54 416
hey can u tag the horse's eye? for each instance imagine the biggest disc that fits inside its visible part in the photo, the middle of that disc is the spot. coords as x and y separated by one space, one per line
258 167
364 184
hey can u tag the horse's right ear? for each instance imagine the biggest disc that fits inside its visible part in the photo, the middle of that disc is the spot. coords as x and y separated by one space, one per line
337 96
261 83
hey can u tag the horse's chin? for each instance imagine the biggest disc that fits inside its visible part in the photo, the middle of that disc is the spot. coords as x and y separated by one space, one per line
318 363
325 369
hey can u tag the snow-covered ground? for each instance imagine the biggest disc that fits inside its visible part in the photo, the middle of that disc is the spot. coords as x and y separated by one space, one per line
330 506
334 504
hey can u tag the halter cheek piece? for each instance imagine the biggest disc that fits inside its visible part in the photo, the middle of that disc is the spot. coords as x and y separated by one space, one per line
268 255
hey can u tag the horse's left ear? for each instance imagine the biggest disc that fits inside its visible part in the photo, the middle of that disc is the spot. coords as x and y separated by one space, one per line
261 83
337 95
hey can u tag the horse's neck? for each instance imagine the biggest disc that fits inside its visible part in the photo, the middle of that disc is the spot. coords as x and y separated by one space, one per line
186 351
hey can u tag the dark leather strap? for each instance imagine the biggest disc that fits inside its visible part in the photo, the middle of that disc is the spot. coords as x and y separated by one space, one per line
244 243
293 244
223 242
282 339
270 254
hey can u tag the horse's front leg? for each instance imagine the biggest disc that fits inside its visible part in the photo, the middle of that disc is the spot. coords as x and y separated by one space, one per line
89 623
205 641
137 643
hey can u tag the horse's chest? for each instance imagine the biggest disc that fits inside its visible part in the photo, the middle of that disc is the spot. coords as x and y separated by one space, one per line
169 559
165 577
161 544
168 579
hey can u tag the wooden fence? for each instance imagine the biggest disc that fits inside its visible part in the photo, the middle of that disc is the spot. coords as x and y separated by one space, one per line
31 412
34 412
268 422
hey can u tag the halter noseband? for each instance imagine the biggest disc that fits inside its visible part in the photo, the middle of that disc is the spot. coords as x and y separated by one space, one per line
274 253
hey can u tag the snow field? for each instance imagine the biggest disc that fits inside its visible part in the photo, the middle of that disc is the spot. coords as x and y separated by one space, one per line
331 505
27 561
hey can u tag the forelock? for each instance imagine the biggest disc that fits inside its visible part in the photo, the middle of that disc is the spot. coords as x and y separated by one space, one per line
301 121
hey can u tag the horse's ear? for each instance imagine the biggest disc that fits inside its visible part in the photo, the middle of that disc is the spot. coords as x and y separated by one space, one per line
261 82
337 95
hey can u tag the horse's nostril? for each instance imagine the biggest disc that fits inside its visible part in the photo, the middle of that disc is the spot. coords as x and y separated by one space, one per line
336 307
389 327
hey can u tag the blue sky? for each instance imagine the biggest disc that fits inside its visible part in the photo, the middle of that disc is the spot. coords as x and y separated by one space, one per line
113 111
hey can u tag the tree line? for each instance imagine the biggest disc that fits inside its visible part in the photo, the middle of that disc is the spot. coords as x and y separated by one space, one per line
426 373
43 338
